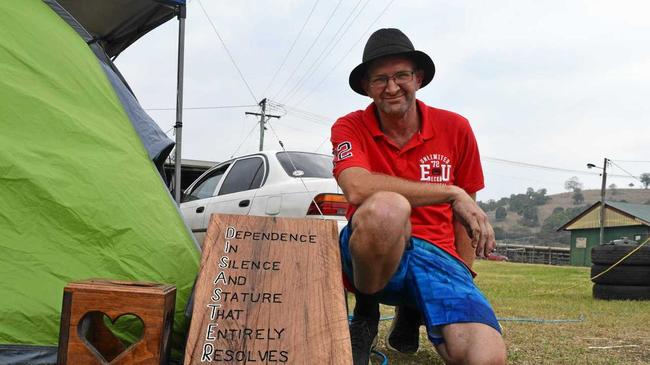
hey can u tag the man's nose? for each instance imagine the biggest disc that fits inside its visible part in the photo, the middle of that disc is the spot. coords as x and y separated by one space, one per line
391 85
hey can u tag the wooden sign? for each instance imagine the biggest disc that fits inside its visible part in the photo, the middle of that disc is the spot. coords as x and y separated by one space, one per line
269 291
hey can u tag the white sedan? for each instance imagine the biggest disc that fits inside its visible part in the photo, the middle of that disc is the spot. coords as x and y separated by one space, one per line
269 183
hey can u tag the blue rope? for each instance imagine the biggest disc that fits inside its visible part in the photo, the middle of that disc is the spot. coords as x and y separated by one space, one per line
581 318
382 355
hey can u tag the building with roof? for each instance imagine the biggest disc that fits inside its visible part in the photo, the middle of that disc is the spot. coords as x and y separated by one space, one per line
622 220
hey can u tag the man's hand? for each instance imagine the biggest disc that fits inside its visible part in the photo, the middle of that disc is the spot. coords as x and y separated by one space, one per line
475 221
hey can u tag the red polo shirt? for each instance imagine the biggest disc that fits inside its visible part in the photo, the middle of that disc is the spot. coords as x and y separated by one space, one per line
443 152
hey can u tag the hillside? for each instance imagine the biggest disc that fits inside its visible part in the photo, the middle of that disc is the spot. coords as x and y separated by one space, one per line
511 227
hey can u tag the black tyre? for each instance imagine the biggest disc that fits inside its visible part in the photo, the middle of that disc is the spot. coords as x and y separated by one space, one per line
622 275
620 292
609 254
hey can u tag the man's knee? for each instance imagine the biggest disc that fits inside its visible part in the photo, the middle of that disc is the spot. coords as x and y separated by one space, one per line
475 345
383 210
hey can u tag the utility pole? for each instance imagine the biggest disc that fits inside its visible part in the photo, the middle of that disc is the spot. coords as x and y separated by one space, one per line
263 118
602 197
602 201
178 127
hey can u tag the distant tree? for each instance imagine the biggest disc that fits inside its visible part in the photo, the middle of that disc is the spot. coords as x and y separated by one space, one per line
573 212
554 221
519 202
645 179
612 189
500 214
560 216
503 202
529 217
540 198
577 197
514 204
530 192
572 184
548 232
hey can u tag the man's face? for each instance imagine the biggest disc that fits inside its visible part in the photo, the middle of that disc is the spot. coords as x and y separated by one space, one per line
392 98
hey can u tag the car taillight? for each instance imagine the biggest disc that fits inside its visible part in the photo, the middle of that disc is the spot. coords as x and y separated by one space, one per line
329 204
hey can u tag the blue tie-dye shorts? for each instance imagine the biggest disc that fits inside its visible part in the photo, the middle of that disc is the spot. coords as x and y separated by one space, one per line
435 282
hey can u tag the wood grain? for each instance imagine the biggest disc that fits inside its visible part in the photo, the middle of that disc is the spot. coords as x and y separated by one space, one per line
89 300
277 297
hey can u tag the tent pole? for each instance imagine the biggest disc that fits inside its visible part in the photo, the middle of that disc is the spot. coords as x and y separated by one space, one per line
179 103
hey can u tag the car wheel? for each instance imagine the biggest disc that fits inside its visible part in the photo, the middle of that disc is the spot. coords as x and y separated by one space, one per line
620 292
609 254
622 275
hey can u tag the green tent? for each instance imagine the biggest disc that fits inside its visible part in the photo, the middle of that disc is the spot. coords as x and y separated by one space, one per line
80 194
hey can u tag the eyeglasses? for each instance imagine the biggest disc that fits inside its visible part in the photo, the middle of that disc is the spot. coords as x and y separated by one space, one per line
400 78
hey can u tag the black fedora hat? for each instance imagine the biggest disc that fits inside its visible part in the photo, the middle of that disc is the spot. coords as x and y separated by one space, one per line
390 42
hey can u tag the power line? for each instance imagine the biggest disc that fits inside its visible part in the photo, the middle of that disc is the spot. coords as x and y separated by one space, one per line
318 116
286 56
312 117
284 125
309 49
347 53
635 161
624 170
332 48
321 144
543 167
228 52
204 107
244 140
320 59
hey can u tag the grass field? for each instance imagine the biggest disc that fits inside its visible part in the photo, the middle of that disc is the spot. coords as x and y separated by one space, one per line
611 332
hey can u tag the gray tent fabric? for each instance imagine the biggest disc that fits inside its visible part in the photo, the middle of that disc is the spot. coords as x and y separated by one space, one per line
27 355
157 144
116 24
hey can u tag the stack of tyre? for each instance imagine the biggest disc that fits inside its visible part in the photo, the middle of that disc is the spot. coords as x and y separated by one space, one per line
628 280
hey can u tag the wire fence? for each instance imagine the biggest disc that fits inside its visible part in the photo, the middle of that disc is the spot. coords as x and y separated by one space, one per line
529 254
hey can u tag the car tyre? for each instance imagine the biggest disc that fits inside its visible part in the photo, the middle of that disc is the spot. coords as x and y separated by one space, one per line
609 254
621 292
622 275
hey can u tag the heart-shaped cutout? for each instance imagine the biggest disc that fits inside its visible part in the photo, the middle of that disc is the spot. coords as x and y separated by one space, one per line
107 338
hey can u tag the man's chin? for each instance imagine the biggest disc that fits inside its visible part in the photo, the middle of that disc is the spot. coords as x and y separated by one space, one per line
394 110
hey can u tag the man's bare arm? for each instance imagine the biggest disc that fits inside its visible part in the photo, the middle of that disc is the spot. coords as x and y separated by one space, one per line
358 184
463 243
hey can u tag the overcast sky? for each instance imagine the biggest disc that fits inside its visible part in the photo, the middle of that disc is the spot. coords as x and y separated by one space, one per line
556 84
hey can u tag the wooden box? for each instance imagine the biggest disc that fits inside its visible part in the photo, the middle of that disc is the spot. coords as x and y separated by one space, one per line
91 307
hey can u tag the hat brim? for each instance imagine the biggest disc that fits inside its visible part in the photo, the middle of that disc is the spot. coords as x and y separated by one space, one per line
421 59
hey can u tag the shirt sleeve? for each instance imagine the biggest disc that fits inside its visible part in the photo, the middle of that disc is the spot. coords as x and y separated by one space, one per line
347 146
469 174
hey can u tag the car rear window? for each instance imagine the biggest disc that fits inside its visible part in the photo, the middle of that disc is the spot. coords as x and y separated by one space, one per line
305 164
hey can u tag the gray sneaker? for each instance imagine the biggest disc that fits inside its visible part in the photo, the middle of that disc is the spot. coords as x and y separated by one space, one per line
404 333
363 335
